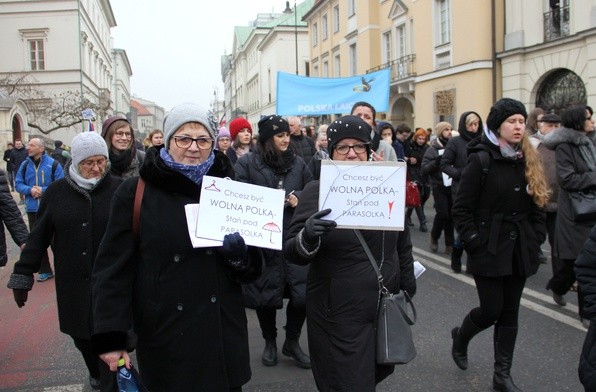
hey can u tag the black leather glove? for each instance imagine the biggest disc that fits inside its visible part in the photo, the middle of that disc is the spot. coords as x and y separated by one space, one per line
20 296
474 244
314 227
234 250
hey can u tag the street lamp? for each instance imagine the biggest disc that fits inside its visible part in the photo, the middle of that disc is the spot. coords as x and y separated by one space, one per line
288 10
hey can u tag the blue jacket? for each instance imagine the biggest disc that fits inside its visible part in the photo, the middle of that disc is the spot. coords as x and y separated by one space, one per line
40 176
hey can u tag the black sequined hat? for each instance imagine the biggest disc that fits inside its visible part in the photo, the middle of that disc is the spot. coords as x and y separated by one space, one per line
271 125
347 127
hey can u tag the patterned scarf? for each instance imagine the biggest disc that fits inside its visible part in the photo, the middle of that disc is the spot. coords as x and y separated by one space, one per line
507 150
194 172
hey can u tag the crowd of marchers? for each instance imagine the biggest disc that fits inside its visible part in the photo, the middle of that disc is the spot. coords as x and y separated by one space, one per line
128 278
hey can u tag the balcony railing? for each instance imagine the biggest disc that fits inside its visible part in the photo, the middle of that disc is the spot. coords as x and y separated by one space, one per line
556 23
401 68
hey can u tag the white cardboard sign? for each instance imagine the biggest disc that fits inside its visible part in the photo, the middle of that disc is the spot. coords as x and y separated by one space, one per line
364 195
227 206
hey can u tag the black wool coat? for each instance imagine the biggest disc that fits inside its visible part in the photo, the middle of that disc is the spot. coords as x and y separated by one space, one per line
573 174
342 297
268 290
585 272
12 219
186 303
501 212
72 220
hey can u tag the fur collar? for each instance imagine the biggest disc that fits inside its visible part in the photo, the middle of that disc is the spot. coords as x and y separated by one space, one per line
565 135
155 172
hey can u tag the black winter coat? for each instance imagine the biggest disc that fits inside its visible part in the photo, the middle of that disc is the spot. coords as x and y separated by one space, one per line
303 146
17 157
73 220
431 166
186 303
415 171
268 290
501 213
342 297
455 157
12 219
585 272
573 174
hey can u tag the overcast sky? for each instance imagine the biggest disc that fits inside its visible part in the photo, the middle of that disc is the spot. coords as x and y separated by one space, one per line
175 47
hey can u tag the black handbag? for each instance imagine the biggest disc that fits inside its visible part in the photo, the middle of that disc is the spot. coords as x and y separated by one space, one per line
583 205
395 343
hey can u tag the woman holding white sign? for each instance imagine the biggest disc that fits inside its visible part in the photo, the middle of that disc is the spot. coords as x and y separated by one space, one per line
184 303
273 164
342 290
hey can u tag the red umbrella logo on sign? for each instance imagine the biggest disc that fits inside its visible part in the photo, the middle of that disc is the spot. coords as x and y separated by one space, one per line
271 227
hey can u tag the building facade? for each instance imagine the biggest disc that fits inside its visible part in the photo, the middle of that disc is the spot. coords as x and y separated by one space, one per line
64 48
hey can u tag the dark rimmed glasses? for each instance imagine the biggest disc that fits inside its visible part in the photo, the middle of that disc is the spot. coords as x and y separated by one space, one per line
344 149
203 143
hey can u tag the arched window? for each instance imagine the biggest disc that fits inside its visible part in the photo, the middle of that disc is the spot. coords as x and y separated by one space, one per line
559 90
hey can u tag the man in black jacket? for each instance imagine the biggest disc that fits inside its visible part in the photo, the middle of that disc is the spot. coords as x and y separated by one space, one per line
303 146
17 156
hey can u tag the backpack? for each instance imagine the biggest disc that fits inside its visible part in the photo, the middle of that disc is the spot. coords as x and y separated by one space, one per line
54 166
485 164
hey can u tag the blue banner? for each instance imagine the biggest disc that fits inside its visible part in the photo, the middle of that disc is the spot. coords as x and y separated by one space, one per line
306 96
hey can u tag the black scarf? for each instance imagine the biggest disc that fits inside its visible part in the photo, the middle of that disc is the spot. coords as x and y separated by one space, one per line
279 163
120 162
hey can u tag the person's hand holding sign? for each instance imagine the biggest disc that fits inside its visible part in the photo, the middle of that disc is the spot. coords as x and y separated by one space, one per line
315 227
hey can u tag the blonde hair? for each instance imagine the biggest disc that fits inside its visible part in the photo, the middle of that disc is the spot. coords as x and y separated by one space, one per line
534 173
472 117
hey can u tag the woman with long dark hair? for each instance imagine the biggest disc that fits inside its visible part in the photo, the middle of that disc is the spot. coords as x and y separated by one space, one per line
125 159
273 164
498 212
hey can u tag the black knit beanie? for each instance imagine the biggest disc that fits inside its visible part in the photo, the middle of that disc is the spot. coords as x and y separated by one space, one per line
271 125
503 109
347 127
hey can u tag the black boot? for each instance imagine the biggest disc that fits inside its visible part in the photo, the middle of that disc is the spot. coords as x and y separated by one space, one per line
504 340
461 337
269 357
292 349
456 254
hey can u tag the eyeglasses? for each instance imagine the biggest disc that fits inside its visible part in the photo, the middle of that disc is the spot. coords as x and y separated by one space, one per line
224 139
123 134
203 143
344 149
89 164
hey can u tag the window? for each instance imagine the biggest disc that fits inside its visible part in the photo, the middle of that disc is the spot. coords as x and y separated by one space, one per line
325 69
36 55
443 15
400 33
324 28
315 34
336 18
387 43
351 7
353 60
336 66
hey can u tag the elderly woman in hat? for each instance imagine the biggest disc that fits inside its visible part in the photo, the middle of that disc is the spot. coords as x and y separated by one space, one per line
498 212
72 217
273 164
125 158
184 303
342 290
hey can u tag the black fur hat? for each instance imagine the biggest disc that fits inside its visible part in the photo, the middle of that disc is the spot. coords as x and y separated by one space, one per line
502 110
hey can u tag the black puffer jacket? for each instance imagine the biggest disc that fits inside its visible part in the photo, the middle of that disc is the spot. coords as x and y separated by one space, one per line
12 219
585 272
268 290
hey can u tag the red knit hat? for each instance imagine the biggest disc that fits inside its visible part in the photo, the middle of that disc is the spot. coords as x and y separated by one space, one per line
237 125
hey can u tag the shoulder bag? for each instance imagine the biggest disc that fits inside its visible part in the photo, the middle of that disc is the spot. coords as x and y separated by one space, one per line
583 205
395 344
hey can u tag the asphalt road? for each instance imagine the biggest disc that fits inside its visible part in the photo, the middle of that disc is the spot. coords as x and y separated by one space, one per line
35 356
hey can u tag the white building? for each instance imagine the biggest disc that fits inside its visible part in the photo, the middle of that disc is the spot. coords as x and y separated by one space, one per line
65 45
549 58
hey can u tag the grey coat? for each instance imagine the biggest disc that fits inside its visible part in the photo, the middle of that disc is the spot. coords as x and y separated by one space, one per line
573 174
